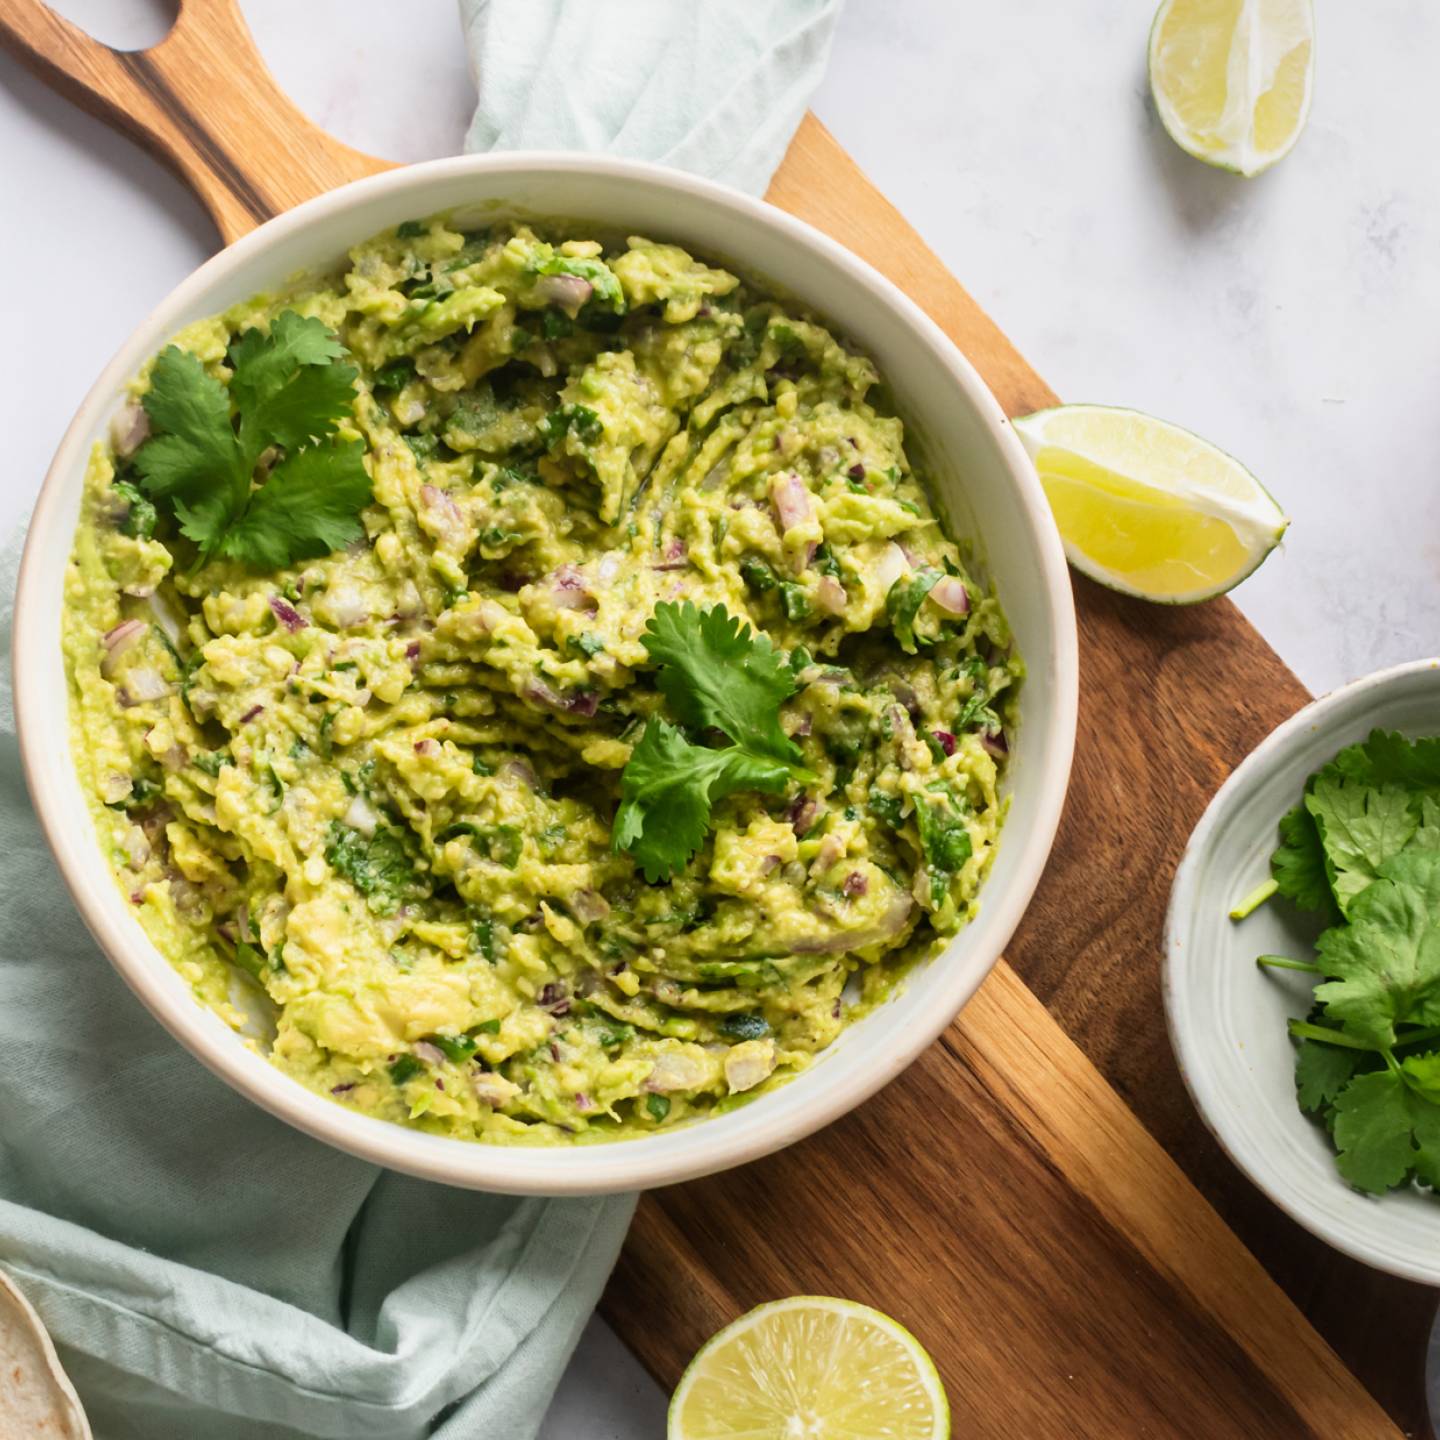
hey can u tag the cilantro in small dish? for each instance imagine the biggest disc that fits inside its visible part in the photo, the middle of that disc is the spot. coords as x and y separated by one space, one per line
1361 851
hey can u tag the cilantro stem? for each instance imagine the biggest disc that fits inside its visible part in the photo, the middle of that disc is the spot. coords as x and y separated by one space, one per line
1280 962
1255 899
1303 1030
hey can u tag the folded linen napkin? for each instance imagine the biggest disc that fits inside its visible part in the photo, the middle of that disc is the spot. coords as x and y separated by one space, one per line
716 87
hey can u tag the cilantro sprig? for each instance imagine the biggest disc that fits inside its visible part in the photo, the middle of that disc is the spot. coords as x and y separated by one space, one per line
288 389
715 673
1362 850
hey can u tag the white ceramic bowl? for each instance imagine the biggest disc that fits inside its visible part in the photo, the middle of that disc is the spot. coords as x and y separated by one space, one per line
1228 1017
986 484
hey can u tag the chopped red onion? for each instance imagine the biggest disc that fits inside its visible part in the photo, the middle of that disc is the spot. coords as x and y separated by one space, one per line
115 788
830 595
412 650
995 743
125 636
522 771
137 847
170 624
345 605
801 814
226 931
856 884
583 1103
791 500
568 591
675 1072
361 815
342 1089
427 747
589 906
945 740
770 864
287 614
430 1054
142 684
130 429
677 556
748 1064
567 292
251 713
494 1090
555 998
856 471
891 565
578 702
439 508
242 925
951 595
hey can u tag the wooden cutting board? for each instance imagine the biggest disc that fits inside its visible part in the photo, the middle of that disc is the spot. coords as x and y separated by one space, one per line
1035 1197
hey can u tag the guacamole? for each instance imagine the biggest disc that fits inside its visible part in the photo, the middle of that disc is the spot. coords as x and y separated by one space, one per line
358 769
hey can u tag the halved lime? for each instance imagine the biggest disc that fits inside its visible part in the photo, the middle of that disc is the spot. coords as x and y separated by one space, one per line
811 1368
1232 78
1146 507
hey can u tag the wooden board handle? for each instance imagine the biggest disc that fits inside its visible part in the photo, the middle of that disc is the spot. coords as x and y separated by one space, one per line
202 100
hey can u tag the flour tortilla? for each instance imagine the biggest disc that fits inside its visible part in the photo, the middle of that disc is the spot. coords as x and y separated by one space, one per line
36 1399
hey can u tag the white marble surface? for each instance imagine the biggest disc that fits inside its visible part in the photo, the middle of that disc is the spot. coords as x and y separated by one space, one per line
1292 319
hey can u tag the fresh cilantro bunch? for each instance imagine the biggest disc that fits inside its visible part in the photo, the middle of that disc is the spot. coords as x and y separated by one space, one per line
716 673
1362 850
289 389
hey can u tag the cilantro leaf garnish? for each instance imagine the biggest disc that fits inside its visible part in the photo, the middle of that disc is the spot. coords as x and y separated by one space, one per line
717 674
306 509
668 789
1360 826
289 389
1385 1131
1386 961
1298 864
1364 848
1322 1071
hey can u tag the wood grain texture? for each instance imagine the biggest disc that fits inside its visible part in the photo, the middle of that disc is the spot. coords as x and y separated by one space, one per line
201 100
1002 1203
1000 1197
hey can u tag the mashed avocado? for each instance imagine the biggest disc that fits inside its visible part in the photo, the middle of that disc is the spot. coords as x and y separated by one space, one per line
365 802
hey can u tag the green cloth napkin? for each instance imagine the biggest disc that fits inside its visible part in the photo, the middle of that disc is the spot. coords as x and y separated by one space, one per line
716 87
206 1271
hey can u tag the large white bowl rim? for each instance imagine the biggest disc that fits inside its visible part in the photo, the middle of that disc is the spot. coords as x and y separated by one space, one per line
958 416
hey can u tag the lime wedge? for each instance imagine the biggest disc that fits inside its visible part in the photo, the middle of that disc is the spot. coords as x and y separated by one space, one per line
1146 507
811 1368
1232 78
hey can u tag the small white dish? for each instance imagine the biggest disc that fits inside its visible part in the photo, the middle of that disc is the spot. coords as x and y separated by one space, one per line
1227 1016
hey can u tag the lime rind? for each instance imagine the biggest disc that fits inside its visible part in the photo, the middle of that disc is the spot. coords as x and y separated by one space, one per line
1248 508
923 1366
1243 160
